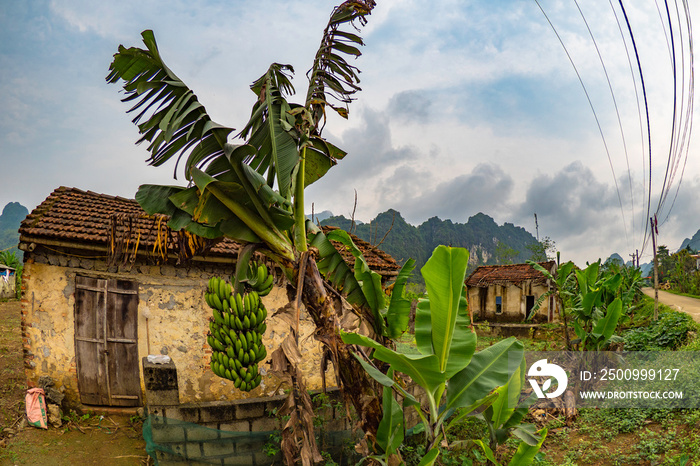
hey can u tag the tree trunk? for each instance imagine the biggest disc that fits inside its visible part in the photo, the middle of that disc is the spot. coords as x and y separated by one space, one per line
357 386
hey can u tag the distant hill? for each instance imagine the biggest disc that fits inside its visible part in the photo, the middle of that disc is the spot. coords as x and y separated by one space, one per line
320 216
693 242
12 216
615 257
480 235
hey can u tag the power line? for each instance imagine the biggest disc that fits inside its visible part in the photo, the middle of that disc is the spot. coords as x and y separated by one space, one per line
617 113
595 115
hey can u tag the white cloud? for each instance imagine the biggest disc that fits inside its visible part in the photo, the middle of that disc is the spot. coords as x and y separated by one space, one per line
466 106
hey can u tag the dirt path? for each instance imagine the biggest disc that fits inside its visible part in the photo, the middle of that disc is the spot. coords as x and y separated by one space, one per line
681 303
88 440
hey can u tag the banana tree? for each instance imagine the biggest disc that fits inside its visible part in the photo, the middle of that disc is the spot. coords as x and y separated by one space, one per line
596 307
253 190
562 282
447 364
589 299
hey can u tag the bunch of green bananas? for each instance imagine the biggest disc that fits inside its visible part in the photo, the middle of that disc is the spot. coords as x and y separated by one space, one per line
259 278
236 331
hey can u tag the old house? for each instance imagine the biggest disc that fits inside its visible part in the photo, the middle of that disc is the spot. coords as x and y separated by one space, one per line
507 293
105 285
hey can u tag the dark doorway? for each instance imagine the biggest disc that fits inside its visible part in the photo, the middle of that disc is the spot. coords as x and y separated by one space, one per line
529 304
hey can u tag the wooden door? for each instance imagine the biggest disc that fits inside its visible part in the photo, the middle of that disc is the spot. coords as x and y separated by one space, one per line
106 341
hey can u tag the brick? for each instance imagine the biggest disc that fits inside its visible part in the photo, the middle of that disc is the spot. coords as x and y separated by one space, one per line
219 412
250 443
193 450
181 413
220 448
235 426
201 434
178 451
250 410
168 434
264 424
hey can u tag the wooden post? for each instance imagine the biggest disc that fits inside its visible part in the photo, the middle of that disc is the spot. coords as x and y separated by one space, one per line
654 232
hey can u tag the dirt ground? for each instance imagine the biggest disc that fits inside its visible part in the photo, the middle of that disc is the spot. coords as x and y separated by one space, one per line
84 438
680 303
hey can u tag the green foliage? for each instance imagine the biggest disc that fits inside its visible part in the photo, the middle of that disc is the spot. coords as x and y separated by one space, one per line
504 417
591 299
404 240
390 316
273 446
542 251
505 254
679 270
9 259
447 363
669 332
608 423
243 192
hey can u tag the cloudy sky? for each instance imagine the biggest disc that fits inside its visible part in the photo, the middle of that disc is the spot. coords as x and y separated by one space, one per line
466 107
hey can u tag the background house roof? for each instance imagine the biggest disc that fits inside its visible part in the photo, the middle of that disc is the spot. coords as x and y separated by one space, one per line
487 275
84 218
376 259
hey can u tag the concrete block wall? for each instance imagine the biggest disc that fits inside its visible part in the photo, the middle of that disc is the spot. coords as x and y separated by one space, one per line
231 432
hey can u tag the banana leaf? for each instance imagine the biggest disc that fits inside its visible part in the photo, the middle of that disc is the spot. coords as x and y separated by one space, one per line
399 312
444 274
488 369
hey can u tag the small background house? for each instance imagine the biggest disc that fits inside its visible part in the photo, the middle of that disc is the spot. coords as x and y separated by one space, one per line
7 282
105 285
697 260
507 293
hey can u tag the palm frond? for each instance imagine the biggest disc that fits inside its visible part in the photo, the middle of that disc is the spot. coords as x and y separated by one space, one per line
174 121
266 130
331 74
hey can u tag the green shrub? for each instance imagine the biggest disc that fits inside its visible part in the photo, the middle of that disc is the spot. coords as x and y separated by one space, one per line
669 332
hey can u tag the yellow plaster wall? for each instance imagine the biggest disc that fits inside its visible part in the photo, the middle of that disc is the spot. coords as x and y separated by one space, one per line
172 320
47 306
513 300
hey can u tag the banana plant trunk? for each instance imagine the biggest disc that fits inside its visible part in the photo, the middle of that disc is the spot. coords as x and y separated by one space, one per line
357 386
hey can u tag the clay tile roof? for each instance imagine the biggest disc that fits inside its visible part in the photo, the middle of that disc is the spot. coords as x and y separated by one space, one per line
70 215
487 275
75 216
376 259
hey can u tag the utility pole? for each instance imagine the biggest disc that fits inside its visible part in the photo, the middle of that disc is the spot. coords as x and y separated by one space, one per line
635 258
654 232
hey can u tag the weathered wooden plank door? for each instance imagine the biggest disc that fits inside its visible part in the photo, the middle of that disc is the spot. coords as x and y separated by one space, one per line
106 341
